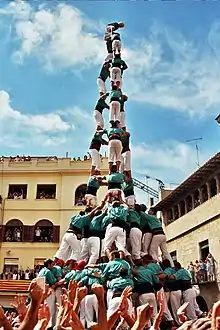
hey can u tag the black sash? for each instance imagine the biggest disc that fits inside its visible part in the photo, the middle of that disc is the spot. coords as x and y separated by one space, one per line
114 185
91 190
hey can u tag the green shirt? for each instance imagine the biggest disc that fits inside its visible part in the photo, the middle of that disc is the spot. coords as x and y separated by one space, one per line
70 276
153 222
155 268
145 275
119 63
79 221
120 283
57 271
126 186
134 217
169 271
115 131
119 212
112 270
104 74
116 177
115 94
183 275
93 182
105 222
101 105
122 103
96 222
49 276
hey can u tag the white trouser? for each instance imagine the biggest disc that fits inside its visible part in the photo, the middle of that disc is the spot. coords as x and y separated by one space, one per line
69 240
117 235
159 241
91 306
149 298
147 237
91 200
109 297
130 200
102 253
114 304
84 255
135 237
175 302
101 85
82 312
114 111
114 151
98 118
58 294
126 156
115 75
116 45
96 159
190 296
94 249
122 119
167 315
51 302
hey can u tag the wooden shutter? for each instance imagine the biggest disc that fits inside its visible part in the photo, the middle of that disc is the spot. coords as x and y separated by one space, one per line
56 234
28 233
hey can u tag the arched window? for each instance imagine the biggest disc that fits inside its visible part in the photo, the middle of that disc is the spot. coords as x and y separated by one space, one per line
80 195
176 212
204 193
13 231
43 231
213 187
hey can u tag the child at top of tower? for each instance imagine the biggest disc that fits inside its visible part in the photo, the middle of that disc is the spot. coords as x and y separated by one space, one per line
118 66
99 107
104 74
113 40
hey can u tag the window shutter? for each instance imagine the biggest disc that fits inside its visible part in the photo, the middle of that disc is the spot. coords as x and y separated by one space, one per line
28 233
56 234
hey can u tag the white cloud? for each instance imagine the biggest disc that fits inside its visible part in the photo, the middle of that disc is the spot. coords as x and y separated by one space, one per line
165 68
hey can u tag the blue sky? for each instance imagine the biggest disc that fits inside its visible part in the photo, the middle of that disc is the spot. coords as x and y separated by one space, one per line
51 53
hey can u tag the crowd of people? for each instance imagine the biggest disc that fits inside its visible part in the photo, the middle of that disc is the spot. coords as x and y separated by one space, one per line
35 314
203 270
20 274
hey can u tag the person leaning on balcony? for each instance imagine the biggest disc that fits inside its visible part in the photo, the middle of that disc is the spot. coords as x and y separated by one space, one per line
158 238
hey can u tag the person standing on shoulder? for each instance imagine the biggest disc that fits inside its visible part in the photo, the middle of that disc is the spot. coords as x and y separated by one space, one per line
124 99
104 74
92 188
115 135
110 29
100 106
95 146
118 66
115 99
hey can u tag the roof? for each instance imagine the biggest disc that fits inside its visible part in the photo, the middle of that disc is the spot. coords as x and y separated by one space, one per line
192 181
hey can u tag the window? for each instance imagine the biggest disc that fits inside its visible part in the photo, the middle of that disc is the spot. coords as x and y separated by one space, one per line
13 231
45 231
204 193
173 255
80 195
176 212
204 249
17 191
189 203
182 208
196 198
213 187
10 266
46 191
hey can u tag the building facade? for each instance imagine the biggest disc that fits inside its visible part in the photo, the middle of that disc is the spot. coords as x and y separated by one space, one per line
191 218
38 196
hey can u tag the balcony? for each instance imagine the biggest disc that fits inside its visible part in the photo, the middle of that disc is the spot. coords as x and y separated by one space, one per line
195 217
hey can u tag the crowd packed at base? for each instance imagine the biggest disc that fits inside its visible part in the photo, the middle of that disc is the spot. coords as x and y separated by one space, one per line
36 315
